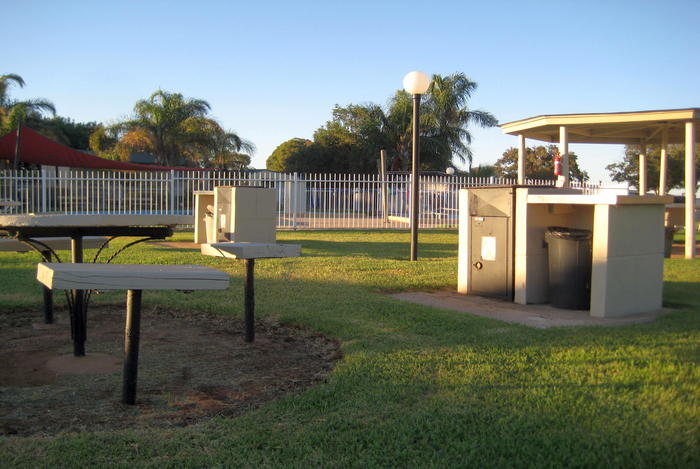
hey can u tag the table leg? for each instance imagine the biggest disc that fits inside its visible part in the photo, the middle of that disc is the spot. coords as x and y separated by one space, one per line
131 346
78 314
48 306
249 300
48 294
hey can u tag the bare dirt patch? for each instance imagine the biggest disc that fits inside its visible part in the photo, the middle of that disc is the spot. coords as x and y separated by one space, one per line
192 366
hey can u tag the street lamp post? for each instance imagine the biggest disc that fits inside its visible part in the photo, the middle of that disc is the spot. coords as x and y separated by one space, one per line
416 84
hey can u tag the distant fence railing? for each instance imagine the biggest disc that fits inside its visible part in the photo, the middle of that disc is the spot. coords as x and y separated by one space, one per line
304 201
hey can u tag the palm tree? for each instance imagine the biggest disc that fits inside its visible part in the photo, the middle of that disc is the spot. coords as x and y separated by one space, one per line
397 128
177 130
444 122
447 119
13 111
229 151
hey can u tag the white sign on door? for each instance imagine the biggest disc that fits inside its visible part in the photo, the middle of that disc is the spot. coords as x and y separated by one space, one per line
488 248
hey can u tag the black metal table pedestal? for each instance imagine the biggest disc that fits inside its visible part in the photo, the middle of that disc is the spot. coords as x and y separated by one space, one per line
131 346
78 316
48 305
249 300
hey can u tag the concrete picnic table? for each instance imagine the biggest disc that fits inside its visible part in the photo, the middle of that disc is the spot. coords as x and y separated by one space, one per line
29 227
248 252
134 278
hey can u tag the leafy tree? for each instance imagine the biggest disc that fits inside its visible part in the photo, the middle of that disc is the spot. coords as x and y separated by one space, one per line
483 171
539 163
13 111
68 132
627 170
295 155
352 139
103 142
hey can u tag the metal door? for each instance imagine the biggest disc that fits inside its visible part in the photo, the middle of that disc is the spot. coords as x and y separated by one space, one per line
489 257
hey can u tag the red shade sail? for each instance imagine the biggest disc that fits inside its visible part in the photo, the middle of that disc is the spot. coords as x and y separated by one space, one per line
40 150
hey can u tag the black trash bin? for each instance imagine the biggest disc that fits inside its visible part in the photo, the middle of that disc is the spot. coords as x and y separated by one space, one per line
570 259
668 240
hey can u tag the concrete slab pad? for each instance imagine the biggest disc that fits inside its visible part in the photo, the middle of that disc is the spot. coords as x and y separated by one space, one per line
538 316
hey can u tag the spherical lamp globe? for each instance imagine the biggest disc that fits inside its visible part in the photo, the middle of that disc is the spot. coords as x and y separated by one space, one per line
416 82
450 171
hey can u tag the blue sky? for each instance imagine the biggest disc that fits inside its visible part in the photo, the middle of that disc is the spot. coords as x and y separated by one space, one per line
274 70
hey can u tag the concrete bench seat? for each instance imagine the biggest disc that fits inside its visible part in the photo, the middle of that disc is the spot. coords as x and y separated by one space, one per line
63 243
130 277
133 278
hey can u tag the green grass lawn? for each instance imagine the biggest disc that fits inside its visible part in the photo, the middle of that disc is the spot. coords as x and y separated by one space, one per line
679 236
417 387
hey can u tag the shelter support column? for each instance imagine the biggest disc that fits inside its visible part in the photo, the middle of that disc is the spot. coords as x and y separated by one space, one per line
690 190
564 153
521 159
663 169
643 187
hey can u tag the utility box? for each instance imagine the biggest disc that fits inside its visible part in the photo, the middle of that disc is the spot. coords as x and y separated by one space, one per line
486 246
245 214
241 214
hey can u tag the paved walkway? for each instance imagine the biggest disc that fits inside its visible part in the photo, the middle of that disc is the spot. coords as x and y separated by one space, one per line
539 316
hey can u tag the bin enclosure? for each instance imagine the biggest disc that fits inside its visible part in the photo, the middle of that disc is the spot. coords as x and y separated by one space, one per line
628 245
570 255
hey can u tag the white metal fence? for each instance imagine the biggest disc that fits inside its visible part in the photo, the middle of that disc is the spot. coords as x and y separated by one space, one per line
304 201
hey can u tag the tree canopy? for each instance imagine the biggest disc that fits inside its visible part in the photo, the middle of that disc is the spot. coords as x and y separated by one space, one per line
352 139
627 170
294 155
177 131
539 163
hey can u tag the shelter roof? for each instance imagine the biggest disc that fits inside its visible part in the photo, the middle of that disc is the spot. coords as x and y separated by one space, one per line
38 149
613 127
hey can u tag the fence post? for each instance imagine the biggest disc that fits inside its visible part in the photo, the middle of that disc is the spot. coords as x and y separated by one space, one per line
42 182
171 188
295 188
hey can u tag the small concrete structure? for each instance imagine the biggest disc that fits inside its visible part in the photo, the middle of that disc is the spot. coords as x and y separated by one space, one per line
135 279
235 213
628 247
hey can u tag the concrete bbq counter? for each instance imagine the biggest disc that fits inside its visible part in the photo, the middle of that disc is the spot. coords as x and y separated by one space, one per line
628 246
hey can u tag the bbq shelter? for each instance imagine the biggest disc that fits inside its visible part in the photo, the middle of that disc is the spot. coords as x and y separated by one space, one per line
663 127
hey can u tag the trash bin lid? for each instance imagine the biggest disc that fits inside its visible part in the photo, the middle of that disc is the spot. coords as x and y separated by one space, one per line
563 232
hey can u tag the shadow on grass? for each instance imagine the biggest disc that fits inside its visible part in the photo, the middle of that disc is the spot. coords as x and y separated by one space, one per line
391 250
682 295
